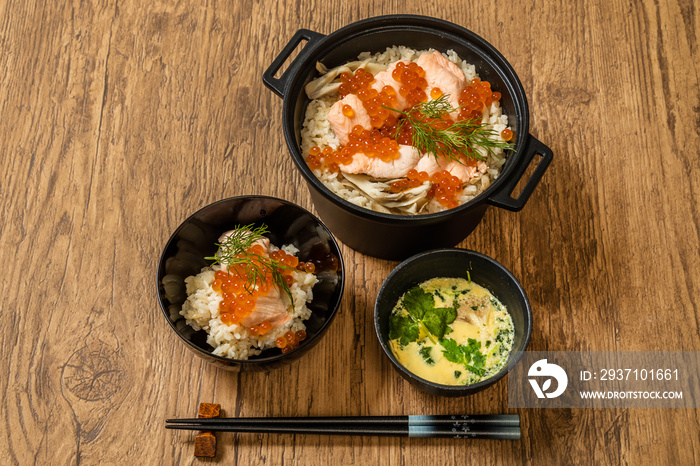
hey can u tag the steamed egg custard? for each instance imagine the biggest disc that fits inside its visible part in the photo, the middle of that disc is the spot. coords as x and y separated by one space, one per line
451 331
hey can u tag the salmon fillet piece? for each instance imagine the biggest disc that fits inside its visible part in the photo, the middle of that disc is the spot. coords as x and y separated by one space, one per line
375 167
343 125
443 74
465 171
269 307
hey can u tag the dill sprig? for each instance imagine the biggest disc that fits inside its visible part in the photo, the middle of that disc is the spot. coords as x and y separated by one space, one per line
234 253
433 135
435 108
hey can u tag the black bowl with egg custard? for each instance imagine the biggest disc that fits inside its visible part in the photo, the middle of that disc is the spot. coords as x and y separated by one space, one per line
454 263
184 253
391 236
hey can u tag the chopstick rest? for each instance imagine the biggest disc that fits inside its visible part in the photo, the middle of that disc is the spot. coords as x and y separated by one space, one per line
205 442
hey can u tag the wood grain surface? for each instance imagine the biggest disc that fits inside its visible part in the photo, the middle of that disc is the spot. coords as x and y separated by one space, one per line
121 118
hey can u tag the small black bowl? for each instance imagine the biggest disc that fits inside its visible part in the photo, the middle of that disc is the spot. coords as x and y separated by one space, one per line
288 223
454 263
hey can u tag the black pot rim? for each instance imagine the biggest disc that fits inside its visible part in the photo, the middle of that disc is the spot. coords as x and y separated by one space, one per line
352 30
257 361
454 389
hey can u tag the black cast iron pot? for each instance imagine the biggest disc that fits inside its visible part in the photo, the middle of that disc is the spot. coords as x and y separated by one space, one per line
391 236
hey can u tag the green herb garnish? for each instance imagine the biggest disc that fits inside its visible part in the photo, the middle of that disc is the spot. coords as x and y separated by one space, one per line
420 313
234 253
469 356
425 354
432 134
435 108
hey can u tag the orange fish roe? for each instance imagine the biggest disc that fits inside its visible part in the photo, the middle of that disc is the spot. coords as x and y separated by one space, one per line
261 329
372 143
413 83
475 97
507 134
445 189
348 111
415 179
306 267
240 292
352 83
290 340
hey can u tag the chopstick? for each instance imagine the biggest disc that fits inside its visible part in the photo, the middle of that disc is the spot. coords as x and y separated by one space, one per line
505 426
506 420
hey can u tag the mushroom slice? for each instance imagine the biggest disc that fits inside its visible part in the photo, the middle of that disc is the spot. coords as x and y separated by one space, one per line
411 200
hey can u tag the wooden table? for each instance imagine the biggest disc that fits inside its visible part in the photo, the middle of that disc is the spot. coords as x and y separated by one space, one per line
119 119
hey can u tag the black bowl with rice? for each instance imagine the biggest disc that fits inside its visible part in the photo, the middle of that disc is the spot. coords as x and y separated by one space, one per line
192 304
380 233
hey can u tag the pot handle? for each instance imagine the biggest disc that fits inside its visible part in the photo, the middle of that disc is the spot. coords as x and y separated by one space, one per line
277 85
502 198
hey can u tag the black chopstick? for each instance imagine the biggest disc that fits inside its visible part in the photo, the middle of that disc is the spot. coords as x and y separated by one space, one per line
503 433
505 426
505 420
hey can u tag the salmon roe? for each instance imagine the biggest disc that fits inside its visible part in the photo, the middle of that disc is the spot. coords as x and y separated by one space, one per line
435 93
372 143
308 267
290 340
507 134
475 97
445 189
414 179
413 83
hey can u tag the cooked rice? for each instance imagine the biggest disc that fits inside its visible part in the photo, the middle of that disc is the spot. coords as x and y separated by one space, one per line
317 131
201 311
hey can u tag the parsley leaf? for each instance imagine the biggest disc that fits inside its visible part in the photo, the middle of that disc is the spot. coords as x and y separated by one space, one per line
420 313
437 319
403 328
469 356
417 302
451 350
